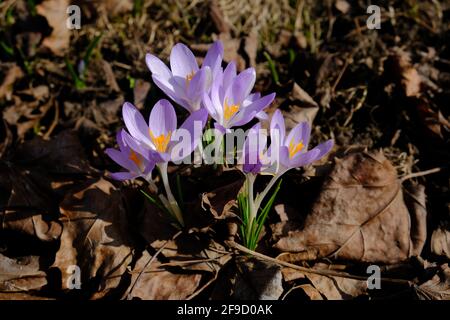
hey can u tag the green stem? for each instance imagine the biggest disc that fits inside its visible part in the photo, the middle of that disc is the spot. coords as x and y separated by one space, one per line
260 197
174 208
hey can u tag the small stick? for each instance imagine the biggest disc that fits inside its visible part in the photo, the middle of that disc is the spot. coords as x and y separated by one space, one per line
327 273
420 174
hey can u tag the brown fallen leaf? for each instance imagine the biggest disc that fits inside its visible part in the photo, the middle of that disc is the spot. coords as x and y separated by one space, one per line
359 215
140 92
440 242
13 74
337 288
416 202
6 137
21 274
437 288
150 281
95 236
257 280
55 13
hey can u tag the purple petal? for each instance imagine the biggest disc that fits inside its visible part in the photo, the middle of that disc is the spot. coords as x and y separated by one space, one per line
121 176
197 86
324 148
277 126
158 68
182 61
242 86
163 119
302 159
213 58
250 111
191 132
173 91
300 133
135 123
121 159
262 115
229 74
207 103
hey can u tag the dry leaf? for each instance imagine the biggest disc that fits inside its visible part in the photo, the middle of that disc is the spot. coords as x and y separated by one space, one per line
150 281
440 242
21 274
55 13
359 215
13 74
95 236
257 279
437 288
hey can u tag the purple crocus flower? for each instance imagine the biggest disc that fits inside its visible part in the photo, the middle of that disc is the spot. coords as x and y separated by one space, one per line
252 151
230 102
185 82
292 150
135 163
159 139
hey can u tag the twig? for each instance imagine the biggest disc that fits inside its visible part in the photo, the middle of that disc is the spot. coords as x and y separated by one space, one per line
153 258
326 273
420 174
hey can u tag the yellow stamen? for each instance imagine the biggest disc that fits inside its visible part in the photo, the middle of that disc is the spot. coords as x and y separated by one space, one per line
294 149
136 159
160 141
189 77
229 111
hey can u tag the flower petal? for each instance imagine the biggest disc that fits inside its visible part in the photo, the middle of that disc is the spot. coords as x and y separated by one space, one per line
302 159
120 158
163 119
277 126
229 74
135 123
197 86
158 68
242 86
182 61
251 111
121 176
213 58
173 91
191 131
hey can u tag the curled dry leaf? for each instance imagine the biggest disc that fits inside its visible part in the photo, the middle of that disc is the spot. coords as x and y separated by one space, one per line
257 279
13 74
20 274
359 215
151 281
55 13
437 288
220 201
95 236
440 242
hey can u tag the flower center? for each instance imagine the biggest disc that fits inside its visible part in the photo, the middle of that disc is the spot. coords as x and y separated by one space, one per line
136 159
160 141
295 148
230 111
189 77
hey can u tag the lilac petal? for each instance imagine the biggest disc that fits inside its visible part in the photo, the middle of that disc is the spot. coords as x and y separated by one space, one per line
262 115
242 86
163 119
135 123
300 133
250 111
158 68
149 154
197 86
192 128
121 159
121 176
182 61
324 148
221 128
207 103
213 58
302 159
173 94
277 125
228 75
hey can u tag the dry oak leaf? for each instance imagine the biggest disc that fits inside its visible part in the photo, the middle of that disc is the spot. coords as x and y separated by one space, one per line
440 242
20 274
95 235
437 288
150 281
359 215
55 13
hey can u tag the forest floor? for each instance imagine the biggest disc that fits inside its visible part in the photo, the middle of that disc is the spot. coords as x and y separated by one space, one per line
380 198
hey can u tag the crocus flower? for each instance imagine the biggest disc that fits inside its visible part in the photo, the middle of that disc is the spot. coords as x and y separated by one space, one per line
185 82
230 102
158 139
293 149
136 164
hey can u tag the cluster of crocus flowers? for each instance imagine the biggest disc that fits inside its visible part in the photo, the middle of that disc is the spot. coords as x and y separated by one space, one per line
225 96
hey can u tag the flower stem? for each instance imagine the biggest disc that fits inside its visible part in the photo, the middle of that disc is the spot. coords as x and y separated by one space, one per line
260 197
174 208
